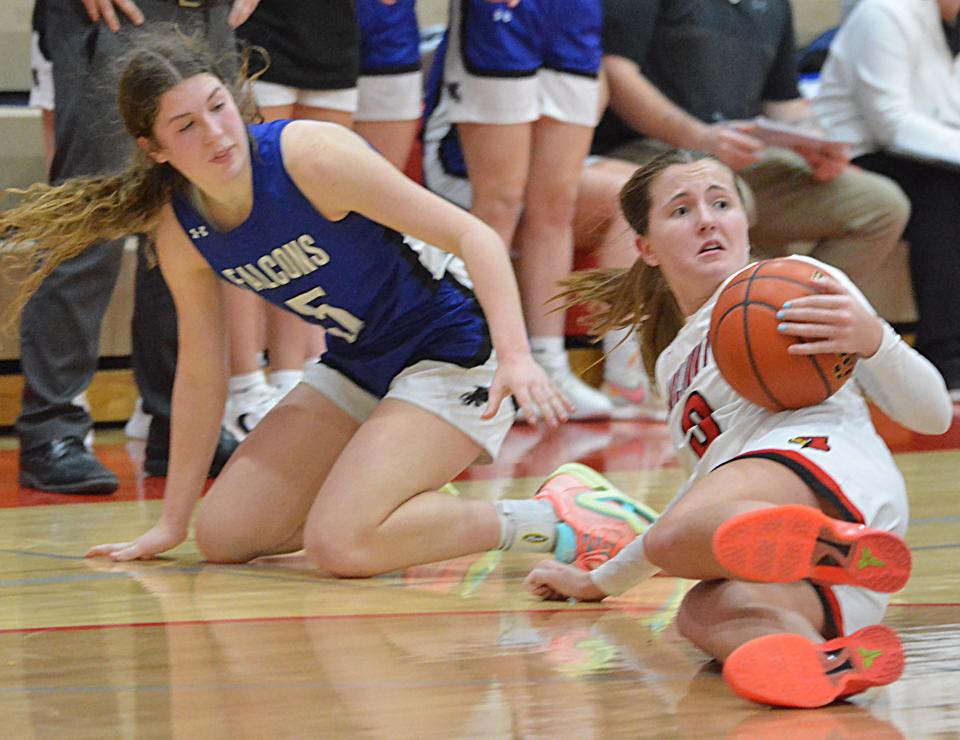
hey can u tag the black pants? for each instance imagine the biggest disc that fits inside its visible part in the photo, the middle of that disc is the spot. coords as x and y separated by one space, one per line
60 326
933 232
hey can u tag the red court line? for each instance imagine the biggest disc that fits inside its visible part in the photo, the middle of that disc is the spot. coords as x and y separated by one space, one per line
385 615
609 447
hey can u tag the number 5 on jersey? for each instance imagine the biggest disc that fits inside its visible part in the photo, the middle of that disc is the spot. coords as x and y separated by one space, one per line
349 325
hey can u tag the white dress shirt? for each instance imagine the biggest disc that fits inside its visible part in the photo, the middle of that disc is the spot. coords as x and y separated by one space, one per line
891 82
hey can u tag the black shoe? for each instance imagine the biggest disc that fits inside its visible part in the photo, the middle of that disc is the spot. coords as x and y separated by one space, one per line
65 466
157 454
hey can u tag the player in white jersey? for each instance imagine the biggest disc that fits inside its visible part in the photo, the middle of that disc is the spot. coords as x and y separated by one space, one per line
792 521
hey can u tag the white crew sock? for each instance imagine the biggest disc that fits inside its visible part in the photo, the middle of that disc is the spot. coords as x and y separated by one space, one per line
549 352
629 568
285 380
527 525
241 383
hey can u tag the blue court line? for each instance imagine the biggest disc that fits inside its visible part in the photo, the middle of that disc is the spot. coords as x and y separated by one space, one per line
234 570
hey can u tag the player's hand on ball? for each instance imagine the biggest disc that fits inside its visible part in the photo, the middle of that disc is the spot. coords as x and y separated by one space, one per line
832 321
555 581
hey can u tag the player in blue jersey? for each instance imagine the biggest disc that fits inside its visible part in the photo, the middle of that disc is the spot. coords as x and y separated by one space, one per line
409 393
521 85
390 86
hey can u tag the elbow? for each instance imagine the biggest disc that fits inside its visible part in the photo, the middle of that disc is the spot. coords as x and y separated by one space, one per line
938 421
944 421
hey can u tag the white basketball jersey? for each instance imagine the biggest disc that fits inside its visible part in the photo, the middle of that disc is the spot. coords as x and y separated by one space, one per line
710 423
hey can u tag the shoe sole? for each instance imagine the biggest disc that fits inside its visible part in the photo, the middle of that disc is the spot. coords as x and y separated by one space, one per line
94 486
790 543
791 671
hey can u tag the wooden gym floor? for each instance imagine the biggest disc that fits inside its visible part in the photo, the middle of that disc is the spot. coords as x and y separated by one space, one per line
180 649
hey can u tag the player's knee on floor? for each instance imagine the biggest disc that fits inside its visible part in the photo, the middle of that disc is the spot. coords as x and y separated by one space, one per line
219 546
341 554
710 603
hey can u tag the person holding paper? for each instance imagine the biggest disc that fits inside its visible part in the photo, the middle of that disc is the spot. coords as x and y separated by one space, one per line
890 87
693 74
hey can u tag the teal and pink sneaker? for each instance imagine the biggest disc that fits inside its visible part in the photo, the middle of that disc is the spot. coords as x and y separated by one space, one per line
597 519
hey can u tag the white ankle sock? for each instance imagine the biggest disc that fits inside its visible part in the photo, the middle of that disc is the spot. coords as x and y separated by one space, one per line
240 383
285 380
528 525
549 352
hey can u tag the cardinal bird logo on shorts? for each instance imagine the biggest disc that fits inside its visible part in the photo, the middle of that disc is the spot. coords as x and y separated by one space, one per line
477 397
812 443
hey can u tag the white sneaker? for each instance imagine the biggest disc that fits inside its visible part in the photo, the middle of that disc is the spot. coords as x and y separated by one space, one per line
81 401
138 425
626 384
639 403
246 408
588 402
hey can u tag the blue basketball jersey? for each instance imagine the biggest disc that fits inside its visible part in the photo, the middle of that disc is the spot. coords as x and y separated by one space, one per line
385 300
562 35
389 37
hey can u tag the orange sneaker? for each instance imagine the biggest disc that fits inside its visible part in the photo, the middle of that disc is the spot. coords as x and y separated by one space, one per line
598 520
791 671
789 543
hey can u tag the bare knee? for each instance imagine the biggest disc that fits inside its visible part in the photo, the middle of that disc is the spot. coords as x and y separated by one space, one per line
700 608
710 607
220 547
218 543
499 206
341 554
662 540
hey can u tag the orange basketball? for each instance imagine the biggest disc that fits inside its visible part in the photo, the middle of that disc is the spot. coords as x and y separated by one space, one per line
752 355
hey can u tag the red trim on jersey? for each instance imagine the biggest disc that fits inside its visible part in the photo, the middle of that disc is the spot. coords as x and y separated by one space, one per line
822 485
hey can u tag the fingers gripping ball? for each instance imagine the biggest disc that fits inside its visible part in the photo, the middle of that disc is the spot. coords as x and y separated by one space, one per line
752 355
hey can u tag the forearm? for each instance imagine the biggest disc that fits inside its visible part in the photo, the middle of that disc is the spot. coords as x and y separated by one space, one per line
639 104
906 386
197 411
495 286
629 568
796 112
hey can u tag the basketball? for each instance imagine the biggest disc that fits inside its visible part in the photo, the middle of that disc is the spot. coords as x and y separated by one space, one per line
752 355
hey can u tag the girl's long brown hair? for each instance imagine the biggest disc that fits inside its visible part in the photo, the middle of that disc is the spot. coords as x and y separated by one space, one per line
52 223
636 298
